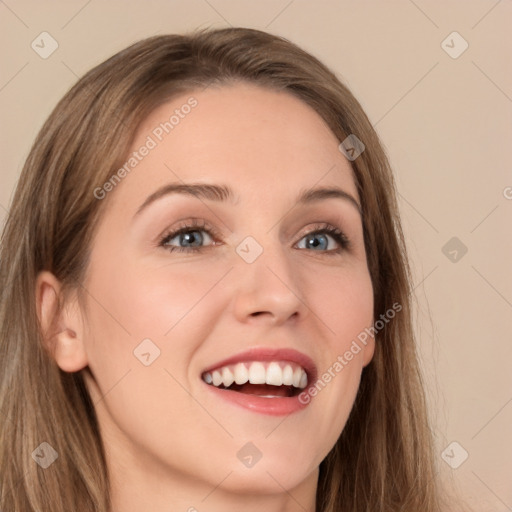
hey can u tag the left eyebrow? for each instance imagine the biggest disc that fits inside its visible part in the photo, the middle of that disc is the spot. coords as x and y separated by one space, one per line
318 194
223 193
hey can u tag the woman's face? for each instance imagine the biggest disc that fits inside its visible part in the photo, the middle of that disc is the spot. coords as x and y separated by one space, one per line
256 288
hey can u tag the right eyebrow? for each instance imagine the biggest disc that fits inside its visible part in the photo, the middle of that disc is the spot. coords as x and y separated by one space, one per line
199 190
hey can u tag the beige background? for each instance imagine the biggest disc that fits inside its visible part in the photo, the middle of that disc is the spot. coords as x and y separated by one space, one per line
446 123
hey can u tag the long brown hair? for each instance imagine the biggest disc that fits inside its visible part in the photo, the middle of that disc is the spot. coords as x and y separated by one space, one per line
383 459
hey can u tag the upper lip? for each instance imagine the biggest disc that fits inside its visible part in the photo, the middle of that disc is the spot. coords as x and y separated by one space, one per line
270 354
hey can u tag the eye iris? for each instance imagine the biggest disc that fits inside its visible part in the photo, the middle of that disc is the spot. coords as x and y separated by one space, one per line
189 236
311 243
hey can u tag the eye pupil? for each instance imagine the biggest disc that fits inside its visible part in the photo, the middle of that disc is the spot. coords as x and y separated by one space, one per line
189 236
311 243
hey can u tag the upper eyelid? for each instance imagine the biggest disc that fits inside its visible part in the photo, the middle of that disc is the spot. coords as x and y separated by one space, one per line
203 225
191 225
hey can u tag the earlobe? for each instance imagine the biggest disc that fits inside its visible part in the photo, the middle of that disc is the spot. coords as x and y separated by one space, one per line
61 327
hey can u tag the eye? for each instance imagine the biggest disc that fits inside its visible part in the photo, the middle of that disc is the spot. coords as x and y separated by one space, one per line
191 235
319 236
188 234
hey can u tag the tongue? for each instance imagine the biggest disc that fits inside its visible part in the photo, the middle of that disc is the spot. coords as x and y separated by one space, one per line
263 389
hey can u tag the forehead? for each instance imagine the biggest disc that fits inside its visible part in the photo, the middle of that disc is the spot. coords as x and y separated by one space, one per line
262 142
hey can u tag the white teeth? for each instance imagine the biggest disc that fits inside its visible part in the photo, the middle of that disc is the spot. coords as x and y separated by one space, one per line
217 378
227 377
257 373
275 373
297 374
288 375
241 374
303 380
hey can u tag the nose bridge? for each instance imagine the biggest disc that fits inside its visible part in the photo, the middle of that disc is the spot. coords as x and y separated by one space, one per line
267 280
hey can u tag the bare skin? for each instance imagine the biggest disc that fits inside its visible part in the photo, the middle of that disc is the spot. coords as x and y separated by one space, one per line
171 443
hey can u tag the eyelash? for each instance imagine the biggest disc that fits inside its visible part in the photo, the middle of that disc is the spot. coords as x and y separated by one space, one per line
199 225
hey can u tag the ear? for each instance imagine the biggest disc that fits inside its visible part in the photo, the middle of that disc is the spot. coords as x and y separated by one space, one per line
62 327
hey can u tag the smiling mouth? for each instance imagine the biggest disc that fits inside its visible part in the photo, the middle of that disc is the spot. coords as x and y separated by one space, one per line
266 379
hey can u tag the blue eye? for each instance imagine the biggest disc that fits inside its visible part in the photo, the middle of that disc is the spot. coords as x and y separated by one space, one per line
191 235
324 235
188 234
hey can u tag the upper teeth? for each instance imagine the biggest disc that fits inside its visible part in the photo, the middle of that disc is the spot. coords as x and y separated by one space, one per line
276 373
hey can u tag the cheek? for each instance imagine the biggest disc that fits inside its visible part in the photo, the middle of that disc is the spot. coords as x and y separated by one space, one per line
136 310
343 300
140 303
135 304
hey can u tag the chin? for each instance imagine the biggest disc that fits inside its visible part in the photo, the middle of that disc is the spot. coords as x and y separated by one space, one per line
266 479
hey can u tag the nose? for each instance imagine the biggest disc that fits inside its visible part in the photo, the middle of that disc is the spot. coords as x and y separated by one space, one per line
268 289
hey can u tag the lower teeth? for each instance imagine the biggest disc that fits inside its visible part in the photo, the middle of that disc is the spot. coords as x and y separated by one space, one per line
287 391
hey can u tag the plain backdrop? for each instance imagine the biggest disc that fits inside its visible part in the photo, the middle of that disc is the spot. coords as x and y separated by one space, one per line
435 79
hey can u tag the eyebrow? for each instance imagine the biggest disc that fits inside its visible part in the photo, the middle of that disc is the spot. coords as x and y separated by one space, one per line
223 193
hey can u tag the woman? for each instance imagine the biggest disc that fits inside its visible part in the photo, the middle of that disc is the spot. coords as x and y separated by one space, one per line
206 294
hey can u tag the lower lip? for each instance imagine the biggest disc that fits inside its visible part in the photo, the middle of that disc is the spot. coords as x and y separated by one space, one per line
278 406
